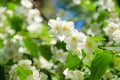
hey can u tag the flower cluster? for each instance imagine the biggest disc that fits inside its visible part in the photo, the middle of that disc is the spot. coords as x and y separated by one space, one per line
65 31
36 75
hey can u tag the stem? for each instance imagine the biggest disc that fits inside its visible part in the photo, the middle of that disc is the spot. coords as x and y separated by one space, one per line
36 4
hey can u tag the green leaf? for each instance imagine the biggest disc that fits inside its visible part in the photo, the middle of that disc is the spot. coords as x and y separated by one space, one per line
45 51
11 6
103 15
61 45
89 6
23 72
1 43
16 22
83 54
73 61
31 46
100 63
97 38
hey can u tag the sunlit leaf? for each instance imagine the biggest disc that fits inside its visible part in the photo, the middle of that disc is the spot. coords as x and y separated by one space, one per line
23 72
100 63
73 61
31 46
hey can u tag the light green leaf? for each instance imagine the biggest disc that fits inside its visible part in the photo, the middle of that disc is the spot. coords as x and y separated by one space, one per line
23 72
100 63
11 5
31 46
97 38
73 61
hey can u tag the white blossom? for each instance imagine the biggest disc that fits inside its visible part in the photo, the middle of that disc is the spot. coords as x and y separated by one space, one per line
73 75
25 63
9 13
13 71
55 27
45 64
77 2
2 10
35 27
59 55
111 28
76 39
116 36
27 3
106 4
34 16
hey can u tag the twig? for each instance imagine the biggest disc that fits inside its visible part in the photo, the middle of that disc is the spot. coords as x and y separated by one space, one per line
36 4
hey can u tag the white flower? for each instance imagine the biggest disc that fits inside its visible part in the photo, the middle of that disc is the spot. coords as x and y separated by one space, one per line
73 75
34 76
88 58
22 50
9 30
75 39
27 3
35 27
3 19
55 27
13 70
34 16
10 13
77 2
25 63
110 5
106 4
60 29
111 28
114 17
43 76
66 28
44 63
17 57
10 49
17 38
116 36
90 46
53 41
107 75
2 10
93 30
3 58
59 55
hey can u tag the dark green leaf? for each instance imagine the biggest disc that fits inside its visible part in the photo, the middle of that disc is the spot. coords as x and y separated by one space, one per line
2 72
103 15
1 43
45 51
16 23
100 63
61 45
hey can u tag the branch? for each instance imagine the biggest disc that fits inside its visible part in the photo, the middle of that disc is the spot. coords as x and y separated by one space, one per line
36 4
